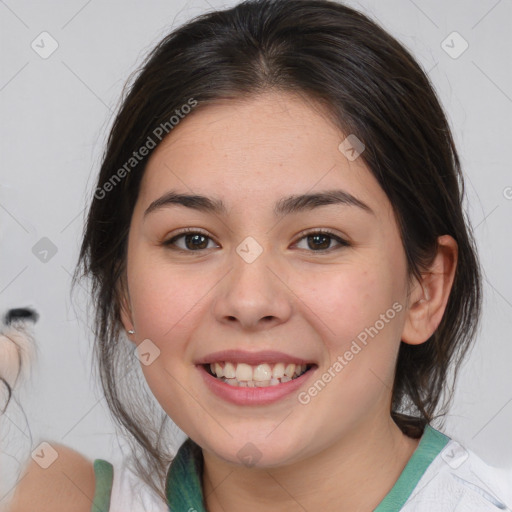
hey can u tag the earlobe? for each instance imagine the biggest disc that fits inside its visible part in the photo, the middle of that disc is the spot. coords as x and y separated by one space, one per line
125 310
429 297
125 315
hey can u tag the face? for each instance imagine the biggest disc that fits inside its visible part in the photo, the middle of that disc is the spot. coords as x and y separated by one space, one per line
272 277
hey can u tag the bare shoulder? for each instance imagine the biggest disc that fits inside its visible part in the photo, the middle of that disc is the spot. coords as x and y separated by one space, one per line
68 483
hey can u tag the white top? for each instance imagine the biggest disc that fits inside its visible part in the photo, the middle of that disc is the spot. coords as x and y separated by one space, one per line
441 476
131 494
458 480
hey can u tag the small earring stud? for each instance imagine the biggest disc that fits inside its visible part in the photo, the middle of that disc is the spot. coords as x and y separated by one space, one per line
131 331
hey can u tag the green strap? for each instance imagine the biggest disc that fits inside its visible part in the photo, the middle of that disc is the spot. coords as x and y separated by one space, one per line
104 473
430 445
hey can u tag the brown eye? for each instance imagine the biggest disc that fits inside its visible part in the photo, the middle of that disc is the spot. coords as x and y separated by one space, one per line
320 241
190 241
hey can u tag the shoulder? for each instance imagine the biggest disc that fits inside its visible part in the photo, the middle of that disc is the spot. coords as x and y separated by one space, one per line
56 479
458 479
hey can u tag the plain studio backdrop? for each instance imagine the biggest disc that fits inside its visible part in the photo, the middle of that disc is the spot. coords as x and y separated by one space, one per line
63 65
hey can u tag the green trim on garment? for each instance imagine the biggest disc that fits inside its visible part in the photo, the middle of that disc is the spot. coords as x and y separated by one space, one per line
104 474
184 488
431 443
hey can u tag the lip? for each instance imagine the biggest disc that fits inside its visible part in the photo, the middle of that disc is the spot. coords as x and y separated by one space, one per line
252 358
254 396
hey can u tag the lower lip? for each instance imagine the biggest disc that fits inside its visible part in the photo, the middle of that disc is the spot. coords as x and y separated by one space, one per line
253 396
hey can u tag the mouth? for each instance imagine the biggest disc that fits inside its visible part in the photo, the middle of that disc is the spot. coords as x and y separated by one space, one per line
238 374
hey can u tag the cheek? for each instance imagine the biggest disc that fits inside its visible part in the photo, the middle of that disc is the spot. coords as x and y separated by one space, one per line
166 308
165 301
344 301
358 313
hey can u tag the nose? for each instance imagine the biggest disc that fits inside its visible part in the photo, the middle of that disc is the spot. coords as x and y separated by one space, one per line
254 295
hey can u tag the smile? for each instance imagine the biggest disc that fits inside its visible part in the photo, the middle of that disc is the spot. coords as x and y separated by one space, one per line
255 376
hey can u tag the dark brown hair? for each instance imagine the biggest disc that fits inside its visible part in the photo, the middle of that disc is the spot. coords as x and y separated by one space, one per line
371 87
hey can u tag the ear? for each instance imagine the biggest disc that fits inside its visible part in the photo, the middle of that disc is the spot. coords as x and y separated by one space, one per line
125 309
428 298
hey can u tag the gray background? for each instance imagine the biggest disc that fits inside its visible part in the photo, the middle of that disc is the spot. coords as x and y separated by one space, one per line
56 112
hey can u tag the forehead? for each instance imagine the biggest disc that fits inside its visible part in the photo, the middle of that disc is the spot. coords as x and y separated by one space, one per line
259 148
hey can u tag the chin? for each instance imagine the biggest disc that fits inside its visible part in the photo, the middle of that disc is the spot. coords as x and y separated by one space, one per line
256 451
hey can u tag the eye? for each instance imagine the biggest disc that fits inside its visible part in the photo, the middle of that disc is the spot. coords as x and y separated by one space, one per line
190 240
320 241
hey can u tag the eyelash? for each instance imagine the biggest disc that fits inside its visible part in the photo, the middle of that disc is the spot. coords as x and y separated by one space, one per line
304 234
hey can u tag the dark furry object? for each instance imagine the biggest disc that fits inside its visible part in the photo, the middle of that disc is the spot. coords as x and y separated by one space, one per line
24 314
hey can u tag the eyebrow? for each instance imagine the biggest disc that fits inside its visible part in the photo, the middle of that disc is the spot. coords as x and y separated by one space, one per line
285 206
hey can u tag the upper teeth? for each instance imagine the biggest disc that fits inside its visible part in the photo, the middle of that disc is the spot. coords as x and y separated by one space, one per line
260 373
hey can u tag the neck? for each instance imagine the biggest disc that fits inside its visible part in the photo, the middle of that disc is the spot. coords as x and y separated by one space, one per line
354 474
